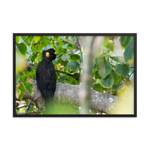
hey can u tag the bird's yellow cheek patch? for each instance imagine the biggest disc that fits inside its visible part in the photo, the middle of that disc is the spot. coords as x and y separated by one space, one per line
47 54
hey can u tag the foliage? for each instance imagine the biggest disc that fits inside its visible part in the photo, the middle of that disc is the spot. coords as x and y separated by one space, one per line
108 73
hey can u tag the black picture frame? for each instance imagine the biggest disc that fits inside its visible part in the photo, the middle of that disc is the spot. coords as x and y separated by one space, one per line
15 33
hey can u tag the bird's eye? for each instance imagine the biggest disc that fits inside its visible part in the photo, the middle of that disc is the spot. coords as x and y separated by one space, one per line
47 54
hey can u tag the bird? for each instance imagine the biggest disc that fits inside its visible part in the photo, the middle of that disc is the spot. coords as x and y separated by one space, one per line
46 79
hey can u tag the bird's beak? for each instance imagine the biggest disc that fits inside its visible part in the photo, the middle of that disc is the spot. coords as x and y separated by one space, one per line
55 53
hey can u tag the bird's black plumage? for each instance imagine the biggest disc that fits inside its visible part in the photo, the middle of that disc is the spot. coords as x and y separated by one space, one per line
46 78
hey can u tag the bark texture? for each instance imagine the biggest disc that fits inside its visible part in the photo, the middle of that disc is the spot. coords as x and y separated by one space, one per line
67 93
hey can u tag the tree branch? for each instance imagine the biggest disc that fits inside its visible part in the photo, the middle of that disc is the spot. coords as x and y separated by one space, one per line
67 93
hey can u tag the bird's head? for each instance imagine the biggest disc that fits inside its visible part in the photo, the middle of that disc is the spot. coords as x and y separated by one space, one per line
50 54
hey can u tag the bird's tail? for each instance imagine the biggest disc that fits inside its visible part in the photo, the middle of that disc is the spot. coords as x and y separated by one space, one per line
49 105
49 102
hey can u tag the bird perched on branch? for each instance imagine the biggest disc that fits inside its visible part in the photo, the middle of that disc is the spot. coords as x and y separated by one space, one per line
46 78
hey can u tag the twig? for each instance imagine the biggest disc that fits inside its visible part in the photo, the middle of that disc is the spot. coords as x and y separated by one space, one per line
29 113
63 41
66 74
22 106
78 43
28 106
26 39
56 71
32 66
94 88
80 53
129 66
123 82
31 55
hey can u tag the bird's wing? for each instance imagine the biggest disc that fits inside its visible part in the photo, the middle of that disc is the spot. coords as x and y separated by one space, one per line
46 80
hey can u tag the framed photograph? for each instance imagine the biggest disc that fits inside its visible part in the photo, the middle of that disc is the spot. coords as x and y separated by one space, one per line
74 75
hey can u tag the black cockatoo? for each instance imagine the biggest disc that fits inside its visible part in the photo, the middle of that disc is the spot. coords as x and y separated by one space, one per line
46 78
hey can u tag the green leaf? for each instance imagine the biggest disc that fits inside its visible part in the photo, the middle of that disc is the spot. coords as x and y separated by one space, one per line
122 70
17 78
97 60
33 57
33 73
105 42
111 46
97 81
97 75
18 91
59 49
116 78
22 48
76 75
39 57
27 39
68 46
72 38
59 43
107 82
17 39
67 37
69 79
71 47
23 90
61 79
129 50
30 75
98 87
115 58
38 47
124 40
104 68
55 37
64 63
58 55
29 87
49 45
45 40
36 39
114 87
74 56
65 57
24 79
25 72
24 38
75 82
63 37
54 61
107 58
73 65
65 46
